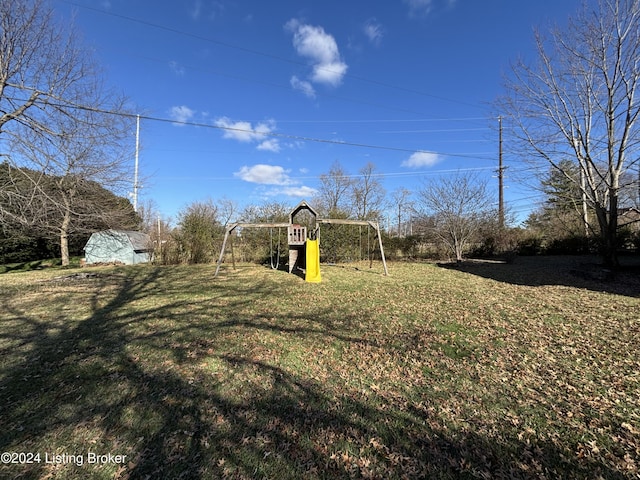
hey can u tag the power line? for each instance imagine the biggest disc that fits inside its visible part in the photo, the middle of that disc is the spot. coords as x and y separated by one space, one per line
395 120
257 132
303 138
315 177
443 130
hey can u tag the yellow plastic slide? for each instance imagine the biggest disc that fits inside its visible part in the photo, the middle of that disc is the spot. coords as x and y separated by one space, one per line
313 262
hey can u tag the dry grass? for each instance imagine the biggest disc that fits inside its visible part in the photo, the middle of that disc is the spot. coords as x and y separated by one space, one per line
527 370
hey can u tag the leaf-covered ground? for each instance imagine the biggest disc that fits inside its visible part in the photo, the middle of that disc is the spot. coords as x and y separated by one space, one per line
527 370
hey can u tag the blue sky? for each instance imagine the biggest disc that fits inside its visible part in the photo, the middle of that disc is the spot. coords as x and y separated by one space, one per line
271 94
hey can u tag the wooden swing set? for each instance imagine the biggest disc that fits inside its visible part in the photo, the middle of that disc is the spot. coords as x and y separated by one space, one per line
297 237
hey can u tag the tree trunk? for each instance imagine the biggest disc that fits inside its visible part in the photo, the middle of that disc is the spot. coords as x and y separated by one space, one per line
610 252
64 249
457 247
64 235
607 221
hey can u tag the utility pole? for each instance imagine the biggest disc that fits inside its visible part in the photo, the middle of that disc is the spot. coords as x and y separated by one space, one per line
135 171
500 177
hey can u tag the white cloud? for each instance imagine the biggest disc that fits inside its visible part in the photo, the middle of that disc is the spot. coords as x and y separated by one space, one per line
271 145
274 175
240 131
181 114
321 49
196 10
210 11
302 191
422 159
247 133
217 9
176 68
373 31
419 8
304 86
422 8
329 73
264 175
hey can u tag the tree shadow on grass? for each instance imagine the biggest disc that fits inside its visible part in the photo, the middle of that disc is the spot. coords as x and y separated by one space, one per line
123 381
573 271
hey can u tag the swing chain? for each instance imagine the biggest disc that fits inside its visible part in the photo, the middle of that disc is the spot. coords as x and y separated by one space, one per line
277 263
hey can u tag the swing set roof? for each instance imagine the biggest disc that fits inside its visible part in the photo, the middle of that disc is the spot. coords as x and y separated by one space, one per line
303 205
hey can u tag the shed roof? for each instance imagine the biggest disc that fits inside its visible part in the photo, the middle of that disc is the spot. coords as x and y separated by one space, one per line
139 240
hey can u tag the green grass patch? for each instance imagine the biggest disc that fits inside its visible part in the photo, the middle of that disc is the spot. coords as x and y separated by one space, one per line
521 371
34 265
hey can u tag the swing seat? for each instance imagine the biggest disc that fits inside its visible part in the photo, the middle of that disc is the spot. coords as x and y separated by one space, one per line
276 265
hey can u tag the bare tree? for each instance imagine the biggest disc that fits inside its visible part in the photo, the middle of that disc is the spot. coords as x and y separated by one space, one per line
227 209
333 192
580 101
401 203
149 212
43 70
458 206
52 112
368 194
91 147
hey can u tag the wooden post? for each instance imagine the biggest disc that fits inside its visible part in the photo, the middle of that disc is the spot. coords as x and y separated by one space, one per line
224 245
231 228
233 257
384 261
293 258
369 223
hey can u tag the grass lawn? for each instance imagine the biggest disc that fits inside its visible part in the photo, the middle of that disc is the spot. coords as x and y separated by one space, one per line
527 370
37 265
